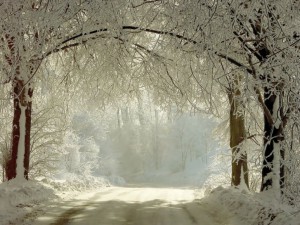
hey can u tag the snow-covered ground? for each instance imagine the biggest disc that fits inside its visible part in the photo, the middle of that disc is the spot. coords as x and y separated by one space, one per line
245 208
20 199
191 196
17 198
122 205
96 202
196 195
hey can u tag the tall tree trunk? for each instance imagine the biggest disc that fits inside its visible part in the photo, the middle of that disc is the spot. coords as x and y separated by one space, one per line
20 146
273 169
237 136
17 164
28 114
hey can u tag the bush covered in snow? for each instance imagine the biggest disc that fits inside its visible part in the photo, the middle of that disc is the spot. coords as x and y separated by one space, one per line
74 182
246 208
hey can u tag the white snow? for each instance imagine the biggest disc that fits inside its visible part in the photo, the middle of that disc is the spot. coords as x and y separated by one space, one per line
21 145
168 206
131 206
243 185
17 198
21 199
166 195
246 208
276 161
91 199
276 113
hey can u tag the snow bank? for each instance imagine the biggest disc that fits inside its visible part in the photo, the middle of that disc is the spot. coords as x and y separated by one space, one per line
16 198
75 182
242 207
19 198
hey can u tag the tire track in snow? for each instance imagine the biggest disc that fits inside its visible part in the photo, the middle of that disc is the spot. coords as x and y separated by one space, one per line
136 206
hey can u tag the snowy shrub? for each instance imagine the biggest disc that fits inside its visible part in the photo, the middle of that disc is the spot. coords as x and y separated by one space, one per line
75 182
238 205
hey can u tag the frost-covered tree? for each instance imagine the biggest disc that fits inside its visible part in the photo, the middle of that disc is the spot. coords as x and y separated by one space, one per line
260 41
255 59
263 35
31 32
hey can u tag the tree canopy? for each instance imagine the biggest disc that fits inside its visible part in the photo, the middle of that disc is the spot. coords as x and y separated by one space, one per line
227 58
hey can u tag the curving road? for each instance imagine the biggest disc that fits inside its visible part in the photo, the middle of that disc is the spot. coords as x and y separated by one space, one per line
132 206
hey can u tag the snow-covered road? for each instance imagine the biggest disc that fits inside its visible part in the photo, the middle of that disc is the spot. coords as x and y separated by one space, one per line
136 206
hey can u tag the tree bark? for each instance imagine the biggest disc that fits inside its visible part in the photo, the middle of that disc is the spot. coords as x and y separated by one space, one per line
21 97
237 136
273 136
28 114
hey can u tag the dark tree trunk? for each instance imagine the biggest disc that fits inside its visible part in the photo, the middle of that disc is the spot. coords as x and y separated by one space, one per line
11 164
21 97
273 135
28 114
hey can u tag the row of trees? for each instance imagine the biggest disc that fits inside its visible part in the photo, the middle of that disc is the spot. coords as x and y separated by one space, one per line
198 53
